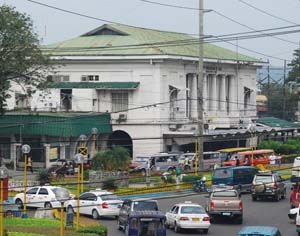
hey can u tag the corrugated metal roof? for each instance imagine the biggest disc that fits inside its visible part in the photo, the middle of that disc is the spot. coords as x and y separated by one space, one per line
128 40
276 122
54 125
96 85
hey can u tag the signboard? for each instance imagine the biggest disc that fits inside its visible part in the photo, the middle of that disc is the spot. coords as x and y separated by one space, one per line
83 151
5 189
53 155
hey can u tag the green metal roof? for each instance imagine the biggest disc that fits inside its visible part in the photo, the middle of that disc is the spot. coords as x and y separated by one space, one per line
113 39
96 85
51 125
276 122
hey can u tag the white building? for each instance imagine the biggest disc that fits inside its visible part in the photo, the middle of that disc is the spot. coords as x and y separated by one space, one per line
147 80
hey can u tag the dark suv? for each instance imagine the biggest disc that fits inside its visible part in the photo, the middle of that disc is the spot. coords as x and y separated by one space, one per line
130 206
268 184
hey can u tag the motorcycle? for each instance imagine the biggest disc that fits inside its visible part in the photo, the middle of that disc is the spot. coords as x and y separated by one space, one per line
200 185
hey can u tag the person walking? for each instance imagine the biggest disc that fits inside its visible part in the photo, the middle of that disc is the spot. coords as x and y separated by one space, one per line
178 178
29 164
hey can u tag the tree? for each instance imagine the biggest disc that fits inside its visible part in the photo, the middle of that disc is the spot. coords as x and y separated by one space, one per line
21 58
113 159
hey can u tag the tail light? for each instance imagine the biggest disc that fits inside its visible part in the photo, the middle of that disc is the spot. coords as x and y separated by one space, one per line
184 218
104 205
274 185
241 205
212 205
206 218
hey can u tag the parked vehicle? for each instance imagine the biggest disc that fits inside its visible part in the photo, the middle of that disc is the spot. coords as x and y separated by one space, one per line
187 215
96 203
10 209
39 196
239 177
226 153
295 196
225 203
159 162
298 222
210 159
259 231
146 223
260 157
138 161
296 170
268 185
130 206
293 213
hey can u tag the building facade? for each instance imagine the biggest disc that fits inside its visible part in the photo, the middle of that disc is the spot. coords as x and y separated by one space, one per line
147 81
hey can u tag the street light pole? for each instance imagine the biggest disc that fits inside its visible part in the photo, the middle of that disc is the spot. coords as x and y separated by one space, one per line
62 195
79 159
200 87
94 132
25 150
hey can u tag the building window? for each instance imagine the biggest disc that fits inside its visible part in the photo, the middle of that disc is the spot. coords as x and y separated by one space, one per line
58 78
119 101
87 78
21 100
66 99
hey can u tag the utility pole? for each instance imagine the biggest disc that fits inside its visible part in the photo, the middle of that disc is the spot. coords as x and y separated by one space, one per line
200 87
284 98
268 86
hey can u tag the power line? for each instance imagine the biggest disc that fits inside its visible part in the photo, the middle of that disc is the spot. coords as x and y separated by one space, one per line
267 13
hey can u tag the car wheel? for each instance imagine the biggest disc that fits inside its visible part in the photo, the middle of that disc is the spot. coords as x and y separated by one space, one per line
119 225
205 231
176 228
47 205
143 172
95 214
19 203
9 214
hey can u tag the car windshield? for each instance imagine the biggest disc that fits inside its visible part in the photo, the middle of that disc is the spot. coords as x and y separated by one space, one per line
264 178
225 194
148 206
192 210
108 197
222 173
54 190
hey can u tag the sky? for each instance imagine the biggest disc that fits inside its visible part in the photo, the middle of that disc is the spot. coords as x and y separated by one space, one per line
226 17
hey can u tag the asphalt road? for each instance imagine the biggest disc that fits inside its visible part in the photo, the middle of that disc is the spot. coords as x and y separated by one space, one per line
265 212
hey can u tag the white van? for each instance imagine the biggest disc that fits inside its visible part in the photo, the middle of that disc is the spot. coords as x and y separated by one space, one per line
296 170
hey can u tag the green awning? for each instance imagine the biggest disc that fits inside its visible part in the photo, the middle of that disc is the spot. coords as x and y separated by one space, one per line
276 122
54 125
95 85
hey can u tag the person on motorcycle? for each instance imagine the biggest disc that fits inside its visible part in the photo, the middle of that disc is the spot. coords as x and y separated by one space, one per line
186 164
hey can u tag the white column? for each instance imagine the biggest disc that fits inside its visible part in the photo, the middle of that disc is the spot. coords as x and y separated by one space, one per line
193 96
214 94
232 97
47 155
62 151
205 92
222 93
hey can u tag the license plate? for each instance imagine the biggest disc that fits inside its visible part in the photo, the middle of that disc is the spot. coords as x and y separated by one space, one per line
268 190
195 219
226 213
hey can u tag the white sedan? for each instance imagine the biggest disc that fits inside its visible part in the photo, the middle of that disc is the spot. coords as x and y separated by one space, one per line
187 215
96 203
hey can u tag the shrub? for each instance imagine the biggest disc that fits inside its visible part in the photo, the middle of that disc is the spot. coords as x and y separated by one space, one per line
97 230
287 149
110 184
190 178
171 179
43 176
111 160
270 144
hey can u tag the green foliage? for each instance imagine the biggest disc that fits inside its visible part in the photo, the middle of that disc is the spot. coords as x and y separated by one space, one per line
81 234
190 178
97 230
292 146
171 179
287 149
43 176
23 234
110 183
86 174
21 58
112 160
270 144
31 222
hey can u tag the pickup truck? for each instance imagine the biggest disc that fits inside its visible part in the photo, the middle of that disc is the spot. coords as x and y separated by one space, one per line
225 204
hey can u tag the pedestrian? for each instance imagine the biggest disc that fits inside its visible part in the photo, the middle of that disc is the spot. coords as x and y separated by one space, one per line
29 164
186 164
164 177
237 161
178 178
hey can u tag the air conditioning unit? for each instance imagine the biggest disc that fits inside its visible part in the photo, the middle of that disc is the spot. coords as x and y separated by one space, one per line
122 117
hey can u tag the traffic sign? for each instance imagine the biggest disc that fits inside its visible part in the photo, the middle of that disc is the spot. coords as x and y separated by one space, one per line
83 151
26 148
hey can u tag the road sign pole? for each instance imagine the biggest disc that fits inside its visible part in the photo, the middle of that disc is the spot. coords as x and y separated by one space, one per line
25 188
